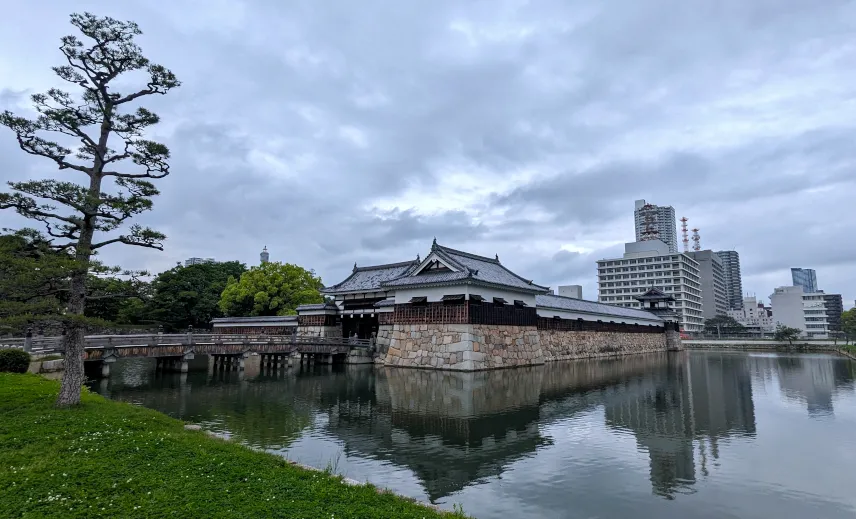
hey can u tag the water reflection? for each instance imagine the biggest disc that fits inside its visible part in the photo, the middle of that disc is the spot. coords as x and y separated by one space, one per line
459 434
812 380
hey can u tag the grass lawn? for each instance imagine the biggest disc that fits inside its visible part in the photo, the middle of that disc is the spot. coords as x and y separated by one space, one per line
111 459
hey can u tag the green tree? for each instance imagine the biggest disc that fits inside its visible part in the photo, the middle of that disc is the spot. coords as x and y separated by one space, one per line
82 218
848 323
786 333
112 299
33 280
190 296
271 289
724 322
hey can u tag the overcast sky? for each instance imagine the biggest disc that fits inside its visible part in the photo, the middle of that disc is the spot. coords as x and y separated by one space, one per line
343 131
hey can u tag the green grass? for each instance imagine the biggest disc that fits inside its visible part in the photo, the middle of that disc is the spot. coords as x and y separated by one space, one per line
111 459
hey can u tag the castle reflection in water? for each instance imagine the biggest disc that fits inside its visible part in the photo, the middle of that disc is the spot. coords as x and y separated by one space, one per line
453 429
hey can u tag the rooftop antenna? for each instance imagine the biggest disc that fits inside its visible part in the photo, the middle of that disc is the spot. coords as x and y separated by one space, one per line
696 240
685 234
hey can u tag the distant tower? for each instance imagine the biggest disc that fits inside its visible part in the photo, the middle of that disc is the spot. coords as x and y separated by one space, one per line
264 256
696 240
685 234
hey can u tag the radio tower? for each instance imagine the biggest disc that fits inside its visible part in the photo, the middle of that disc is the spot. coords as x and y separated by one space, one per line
649 215
696 239
685 234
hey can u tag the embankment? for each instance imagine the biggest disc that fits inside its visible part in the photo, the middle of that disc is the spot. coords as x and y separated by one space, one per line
111 459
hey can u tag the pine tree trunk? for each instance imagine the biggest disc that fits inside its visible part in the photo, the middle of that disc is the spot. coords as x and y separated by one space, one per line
73 378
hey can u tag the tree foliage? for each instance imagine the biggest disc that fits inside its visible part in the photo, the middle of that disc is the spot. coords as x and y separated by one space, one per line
786 333
190 296
271 288
33 280
97 138
724 322
848 323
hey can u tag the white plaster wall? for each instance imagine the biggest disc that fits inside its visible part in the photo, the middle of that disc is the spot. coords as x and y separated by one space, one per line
550 313
489 293
435 294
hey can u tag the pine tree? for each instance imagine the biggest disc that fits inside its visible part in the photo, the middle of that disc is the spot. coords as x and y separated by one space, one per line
81 218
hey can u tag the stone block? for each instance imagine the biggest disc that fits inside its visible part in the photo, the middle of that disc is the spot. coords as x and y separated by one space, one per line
459 346
474 356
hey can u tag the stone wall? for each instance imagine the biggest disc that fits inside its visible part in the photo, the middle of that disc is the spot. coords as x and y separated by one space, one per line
384 337
564 345
463 347
319 331
506 346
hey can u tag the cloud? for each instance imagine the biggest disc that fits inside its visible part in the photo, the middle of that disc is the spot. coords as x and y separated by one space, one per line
358 132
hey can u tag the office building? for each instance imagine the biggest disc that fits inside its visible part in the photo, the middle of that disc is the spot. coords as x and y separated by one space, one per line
805 278
712 277
733 279
804 311
663 223
198 261
647 264
834 309
572 291
754 315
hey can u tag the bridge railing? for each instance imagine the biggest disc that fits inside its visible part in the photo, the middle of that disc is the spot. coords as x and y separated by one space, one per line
55 344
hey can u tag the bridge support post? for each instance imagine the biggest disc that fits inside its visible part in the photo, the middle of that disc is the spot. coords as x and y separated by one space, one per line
105 369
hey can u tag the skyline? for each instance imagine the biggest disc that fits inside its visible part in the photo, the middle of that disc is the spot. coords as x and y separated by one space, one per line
526 133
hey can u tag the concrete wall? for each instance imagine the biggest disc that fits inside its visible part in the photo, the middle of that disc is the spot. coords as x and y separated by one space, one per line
564 345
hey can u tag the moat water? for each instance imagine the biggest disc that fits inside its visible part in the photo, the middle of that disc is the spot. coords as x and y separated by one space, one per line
680 435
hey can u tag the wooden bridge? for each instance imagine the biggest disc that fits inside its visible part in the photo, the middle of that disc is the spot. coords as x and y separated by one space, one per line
175 350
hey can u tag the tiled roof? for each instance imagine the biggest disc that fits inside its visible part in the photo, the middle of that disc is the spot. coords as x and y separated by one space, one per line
367 279
655 293
473 268
258 319
385 303
580 305
318 306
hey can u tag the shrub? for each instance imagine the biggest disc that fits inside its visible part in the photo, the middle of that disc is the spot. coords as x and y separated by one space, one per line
14 361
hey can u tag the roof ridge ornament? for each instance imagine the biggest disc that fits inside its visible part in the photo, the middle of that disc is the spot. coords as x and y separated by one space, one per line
497 258
417 258
355 266
434 244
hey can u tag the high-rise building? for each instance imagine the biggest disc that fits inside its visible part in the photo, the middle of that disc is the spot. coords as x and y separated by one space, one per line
264 257
797 309
198 261
647 264
733 279
663 224
834 309
806 278
712 277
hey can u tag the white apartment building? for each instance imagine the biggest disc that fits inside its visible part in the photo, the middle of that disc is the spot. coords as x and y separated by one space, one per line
804 311
754 315
650 263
